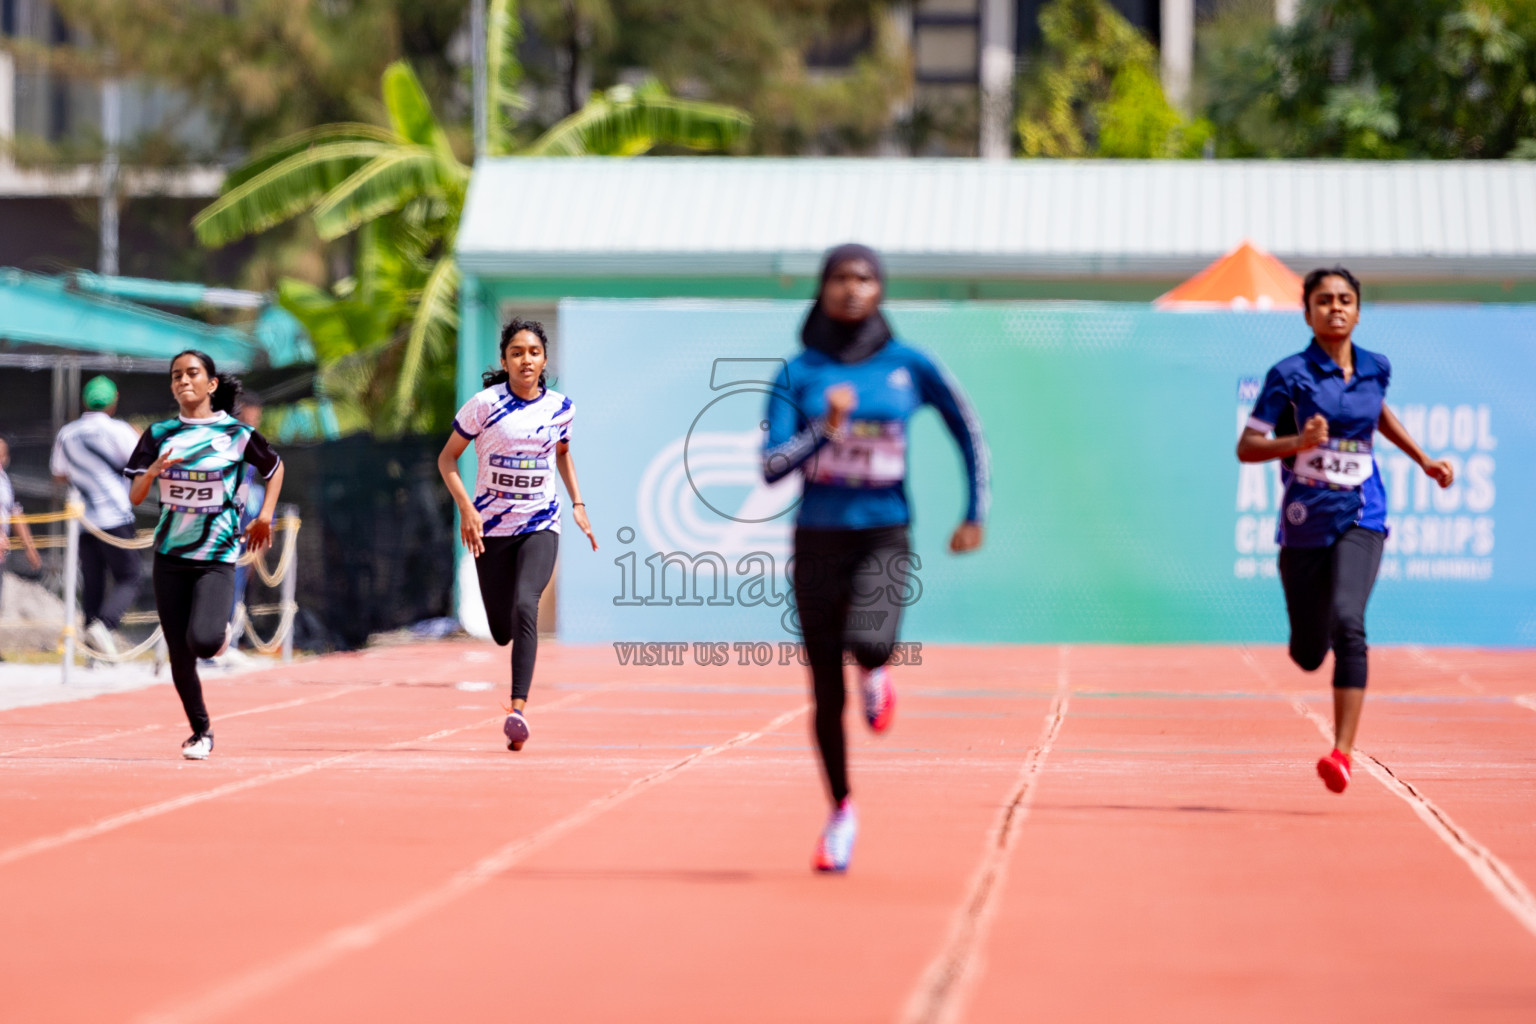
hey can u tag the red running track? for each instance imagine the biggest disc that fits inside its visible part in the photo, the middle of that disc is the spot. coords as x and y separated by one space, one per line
1083 834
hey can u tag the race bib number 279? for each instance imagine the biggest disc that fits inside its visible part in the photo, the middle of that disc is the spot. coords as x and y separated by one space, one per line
192 490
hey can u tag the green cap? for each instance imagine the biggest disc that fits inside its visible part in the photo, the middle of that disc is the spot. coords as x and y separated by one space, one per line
99 393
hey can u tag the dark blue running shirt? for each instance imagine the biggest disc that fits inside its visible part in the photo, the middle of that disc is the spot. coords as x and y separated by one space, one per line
859 482
1321 499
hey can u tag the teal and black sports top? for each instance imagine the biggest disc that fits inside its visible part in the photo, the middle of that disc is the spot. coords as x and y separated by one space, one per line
199 507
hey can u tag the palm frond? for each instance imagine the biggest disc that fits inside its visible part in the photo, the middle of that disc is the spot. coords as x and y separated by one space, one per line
432 332
504 73
622 120
277 152
323 318
283 190
410 112
383 185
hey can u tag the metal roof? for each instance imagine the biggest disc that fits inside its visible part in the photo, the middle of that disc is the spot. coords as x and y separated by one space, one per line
39 315
705 216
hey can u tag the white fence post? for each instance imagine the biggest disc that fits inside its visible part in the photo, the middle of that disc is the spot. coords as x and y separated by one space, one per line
288 608
71 570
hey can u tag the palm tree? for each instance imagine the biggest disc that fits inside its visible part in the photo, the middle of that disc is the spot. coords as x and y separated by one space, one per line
401 190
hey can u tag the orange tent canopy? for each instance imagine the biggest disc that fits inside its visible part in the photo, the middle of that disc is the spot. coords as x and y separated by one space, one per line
1245 278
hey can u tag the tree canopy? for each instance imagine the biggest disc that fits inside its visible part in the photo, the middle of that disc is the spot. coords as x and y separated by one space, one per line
1423 79
1093 90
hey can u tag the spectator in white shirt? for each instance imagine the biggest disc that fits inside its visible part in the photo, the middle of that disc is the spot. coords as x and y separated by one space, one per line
90 454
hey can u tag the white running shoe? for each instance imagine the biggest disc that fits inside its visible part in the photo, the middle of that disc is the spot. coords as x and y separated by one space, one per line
198 747
516 730
835 847
101 638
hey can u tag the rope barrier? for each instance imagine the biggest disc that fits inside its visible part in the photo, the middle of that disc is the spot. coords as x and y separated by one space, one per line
144 538
285 624
258 559
69 636
120 656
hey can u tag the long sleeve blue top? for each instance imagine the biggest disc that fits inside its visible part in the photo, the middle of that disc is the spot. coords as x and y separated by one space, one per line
858 481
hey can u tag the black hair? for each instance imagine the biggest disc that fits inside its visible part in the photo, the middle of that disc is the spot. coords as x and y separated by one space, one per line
490 378
1311 281
224 396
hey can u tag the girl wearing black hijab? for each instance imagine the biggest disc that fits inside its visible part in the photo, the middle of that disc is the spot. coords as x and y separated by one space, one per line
838 414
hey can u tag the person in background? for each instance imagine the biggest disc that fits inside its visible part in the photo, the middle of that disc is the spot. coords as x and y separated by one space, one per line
89 454
8 508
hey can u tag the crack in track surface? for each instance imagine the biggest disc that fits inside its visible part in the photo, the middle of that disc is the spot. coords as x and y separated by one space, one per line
941 992
1497 877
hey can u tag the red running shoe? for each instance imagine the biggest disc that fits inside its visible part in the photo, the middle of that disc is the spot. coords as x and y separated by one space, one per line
1334 770
879 697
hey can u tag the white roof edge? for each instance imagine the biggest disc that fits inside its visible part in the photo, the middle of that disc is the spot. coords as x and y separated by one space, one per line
724 216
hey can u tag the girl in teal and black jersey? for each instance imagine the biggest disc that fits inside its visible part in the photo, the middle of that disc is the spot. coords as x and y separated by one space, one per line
198 460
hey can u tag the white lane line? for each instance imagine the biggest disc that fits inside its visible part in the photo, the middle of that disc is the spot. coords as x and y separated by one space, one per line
1505 886
371 931
114 822
94 738
945 986
1423 657
1502 883
98 737
1527 700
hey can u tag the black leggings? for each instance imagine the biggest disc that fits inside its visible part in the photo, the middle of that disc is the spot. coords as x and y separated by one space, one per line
193 600
1325 594
513 572
850 587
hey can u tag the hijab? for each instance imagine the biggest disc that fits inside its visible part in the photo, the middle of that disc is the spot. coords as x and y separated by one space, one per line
847 343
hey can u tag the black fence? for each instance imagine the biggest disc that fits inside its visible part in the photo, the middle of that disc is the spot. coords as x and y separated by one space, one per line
376 551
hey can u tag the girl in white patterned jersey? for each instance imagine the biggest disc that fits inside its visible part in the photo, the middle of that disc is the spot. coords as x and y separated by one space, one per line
199 459
521 431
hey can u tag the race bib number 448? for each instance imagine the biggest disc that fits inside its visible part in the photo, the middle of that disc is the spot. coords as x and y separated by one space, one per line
192 490
1338 463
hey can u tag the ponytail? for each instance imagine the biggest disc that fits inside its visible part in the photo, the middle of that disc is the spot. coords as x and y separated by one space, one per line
227 393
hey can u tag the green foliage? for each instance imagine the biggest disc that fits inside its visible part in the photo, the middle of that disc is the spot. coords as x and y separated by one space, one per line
1138 122
624 122
385 336
261 69
758 55
1093 90
1423 79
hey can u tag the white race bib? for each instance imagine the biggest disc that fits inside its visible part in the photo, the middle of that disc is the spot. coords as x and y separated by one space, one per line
520 478
192 490
1344 465
874 454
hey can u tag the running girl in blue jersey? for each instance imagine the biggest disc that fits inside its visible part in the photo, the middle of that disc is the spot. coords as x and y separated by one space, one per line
522 433
1324 406
199 459
838 414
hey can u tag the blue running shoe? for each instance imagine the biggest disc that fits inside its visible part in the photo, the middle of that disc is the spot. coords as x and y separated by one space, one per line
516 728
835 848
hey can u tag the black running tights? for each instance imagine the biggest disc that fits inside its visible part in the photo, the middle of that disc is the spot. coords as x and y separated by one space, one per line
193 600
1325 594
850 587
513 572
